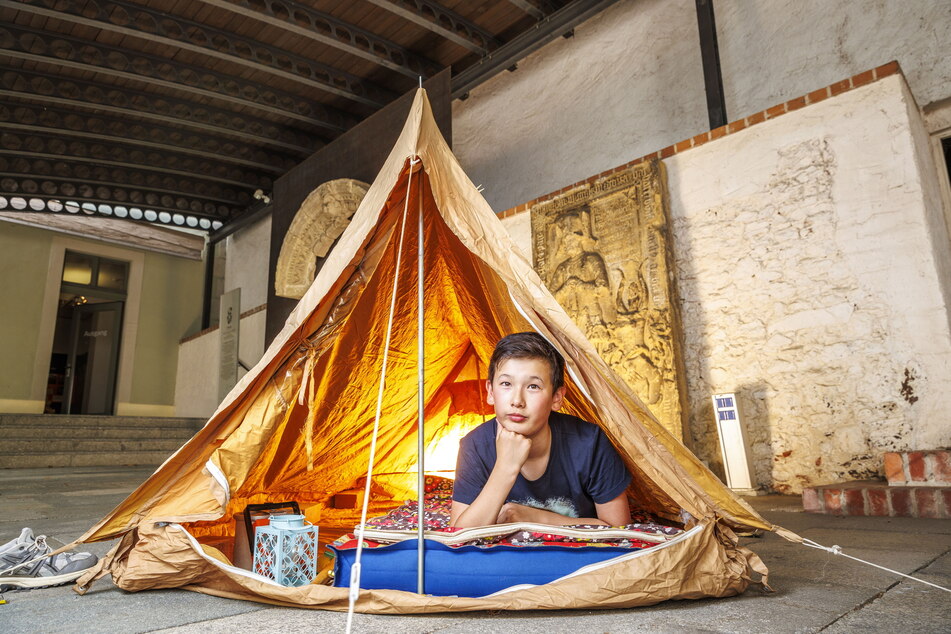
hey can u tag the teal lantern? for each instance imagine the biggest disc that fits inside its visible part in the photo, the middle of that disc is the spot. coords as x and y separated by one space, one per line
286 550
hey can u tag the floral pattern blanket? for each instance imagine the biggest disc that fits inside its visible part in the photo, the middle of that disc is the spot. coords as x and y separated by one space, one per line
438 503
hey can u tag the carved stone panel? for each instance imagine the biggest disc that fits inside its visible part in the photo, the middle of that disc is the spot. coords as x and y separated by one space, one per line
322 217
603 251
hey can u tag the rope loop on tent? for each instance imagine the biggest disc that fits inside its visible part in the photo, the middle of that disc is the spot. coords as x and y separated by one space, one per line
837 550
355 569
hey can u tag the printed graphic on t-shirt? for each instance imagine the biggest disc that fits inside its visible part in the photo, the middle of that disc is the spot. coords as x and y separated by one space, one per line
561 505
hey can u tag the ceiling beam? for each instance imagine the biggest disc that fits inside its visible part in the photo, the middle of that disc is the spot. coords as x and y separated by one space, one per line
549 28
38 46
52 188
130 103
442 22
58 132
64 171
57 149
66 123
538 9
220 213
330 31
199 38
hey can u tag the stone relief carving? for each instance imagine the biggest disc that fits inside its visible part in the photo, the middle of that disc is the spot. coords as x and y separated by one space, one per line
322 217
603 251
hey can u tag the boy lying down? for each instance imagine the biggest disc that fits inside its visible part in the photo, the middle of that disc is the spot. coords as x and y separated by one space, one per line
531 463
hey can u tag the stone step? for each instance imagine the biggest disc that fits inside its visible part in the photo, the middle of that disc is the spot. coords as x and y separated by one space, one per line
876 498
43 460
38 441
56 445
17 421
87 431
919 468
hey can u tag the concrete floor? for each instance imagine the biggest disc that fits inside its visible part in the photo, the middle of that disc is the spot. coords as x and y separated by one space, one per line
815 591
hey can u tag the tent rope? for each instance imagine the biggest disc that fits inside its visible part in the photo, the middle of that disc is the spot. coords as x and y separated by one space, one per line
837 550
420 392
355 569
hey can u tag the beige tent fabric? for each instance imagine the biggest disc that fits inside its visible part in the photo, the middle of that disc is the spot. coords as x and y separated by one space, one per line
298 425
704 563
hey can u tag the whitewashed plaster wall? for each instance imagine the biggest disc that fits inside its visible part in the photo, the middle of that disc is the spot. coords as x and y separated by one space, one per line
246 263
809 271
196 382
811 254
629 82
772 51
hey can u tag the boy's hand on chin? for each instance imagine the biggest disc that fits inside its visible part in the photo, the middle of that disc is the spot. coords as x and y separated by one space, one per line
511 449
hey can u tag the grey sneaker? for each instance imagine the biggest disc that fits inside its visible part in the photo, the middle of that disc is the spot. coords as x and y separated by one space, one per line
19 570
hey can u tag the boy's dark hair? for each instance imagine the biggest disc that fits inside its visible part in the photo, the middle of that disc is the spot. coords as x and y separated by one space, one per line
529 345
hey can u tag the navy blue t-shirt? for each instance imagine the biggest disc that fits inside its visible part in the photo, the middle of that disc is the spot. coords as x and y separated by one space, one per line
583 469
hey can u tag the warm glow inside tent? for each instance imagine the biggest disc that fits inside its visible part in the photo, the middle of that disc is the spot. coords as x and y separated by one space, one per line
299 426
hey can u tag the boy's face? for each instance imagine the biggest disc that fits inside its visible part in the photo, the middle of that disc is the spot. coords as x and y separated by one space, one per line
522 395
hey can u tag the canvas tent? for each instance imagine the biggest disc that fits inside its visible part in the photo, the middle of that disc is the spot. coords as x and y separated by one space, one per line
299 425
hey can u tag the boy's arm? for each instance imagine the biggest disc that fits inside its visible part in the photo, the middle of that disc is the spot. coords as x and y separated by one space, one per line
613 513
511 452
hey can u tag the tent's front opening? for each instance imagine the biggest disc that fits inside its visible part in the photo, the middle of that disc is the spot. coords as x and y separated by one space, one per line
307 435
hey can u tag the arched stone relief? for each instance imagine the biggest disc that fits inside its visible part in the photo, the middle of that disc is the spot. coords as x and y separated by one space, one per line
322 217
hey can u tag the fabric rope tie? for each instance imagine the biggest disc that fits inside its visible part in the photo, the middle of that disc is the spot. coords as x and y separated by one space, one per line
837 550
355 569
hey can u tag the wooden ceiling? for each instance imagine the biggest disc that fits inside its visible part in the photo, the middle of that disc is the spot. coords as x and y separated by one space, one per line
176 111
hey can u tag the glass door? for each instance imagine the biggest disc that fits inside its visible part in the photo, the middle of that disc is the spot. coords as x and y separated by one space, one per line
85 355
93 358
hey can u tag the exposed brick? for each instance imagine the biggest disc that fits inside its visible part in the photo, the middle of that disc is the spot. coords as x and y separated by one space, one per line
811 502
840 87
716 133
817 95
682 145
877 502
946 498
700 139
891 68
916 466
775 111
925 498
863 78
941 467
894 470
853 502
736 126
795 104
833 501
900 498
759 117
667 151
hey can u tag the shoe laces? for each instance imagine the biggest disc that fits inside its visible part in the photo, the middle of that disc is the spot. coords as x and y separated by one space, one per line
40 547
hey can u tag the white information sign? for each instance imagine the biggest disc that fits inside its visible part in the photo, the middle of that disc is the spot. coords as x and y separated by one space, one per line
734 447
228 329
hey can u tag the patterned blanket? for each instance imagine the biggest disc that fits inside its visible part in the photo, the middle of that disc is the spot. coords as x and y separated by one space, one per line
401 524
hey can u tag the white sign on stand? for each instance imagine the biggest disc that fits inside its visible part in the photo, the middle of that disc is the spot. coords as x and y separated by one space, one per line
228 329
734 447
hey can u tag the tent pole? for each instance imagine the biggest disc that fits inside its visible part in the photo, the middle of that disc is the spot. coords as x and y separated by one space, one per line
421 438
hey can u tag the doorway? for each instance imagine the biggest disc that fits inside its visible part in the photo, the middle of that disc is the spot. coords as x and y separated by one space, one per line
86 340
